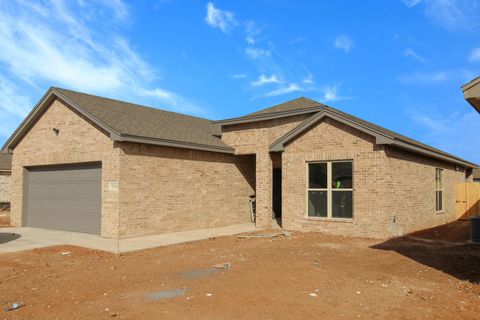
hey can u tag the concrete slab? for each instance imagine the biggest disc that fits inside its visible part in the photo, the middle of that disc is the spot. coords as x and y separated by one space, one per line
20 239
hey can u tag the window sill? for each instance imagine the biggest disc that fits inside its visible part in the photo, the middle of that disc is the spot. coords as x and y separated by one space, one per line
323 219
440 212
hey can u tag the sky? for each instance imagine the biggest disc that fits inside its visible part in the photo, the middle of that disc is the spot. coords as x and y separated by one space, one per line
396 63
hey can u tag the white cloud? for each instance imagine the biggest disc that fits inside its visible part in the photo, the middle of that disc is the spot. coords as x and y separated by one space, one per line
411 3
410 53
252 32
423 78
284 90
62 43
330 94
450 14
475 55
239 76
308 79
13 101
255 53
344 43
263 80
216 18
172 99
119 8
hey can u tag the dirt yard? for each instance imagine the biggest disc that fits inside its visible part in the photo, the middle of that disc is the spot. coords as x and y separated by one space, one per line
457 231
306 276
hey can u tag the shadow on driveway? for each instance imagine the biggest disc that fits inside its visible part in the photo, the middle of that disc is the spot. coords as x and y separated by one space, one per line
8 236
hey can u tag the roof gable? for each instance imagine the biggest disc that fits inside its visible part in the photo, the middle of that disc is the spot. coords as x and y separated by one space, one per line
130 122
290 108
292 105
382 136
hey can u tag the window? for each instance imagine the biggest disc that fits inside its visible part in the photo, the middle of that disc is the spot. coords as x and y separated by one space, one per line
330 189
438 190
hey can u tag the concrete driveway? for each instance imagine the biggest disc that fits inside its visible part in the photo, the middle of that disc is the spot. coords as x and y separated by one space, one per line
20 239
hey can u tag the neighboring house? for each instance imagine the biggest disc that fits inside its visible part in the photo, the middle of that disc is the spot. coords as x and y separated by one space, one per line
91 164
5 173
471 92
476 175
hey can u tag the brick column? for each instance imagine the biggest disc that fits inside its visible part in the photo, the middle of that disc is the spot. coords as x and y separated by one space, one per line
263 190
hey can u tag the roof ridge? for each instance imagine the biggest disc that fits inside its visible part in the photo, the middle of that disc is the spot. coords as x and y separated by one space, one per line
136 105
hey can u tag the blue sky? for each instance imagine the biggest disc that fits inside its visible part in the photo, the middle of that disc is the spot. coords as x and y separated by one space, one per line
399 64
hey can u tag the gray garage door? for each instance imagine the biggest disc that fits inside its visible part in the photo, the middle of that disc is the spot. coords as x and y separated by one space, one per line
64 198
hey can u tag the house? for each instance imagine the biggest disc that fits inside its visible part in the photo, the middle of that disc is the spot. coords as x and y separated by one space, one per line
91 164
476 175
471 92
5 173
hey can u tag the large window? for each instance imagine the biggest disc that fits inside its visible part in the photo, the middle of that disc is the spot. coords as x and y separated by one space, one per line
439 190
330 189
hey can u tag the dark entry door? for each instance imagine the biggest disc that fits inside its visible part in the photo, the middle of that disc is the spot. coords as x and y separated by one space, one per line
277 193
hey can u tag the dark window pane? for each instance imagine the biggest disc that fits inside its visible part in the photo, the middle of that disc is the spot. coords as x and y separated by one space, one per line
317 203
342 175
317 175
342 204
438 179
439 200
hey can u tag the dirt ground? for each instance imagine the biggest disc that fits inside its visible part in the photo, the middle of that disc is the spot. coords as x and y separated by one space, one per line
457 231
306 276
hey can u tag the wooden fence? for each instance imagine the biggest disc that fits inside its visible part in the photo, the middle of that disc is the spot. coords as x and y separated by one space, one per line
467 199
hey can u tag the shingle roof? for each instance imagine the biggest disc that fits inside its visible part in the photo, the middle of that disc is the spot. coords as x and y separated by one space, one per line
146 122
126 121
393 133
295 104
304 105
5 161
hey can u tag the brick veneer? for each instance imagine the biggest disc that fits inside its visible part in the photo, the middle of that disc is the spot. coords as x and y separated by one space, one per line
389 184
78 141
165 189
5 178
160 189
255 138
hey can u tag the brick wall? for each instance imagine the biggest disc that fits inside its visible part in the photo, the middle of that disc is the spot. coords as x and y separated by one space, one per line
388 183
413 191
327 141
5 186
78 141
255 138
165 189
160 189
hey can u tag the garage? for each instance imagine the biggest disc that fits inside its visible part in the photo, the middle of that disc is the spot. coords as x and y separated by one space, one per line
64 197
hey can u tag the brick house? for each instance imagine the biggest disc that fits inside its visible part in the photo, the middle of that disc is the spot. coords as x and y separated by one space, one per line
5 173
91 164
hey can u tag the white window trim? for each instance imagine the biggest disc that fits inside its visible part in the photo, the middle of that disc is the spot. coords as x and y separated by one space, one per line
441 189
329 190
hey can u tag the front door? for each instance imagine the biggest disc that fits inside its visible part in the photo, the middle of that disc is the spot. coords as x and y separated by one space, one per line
277 194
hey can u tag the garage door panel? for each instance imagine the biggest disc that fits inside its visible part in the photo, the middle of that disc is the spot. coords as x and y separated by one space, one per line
65 198
66 190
